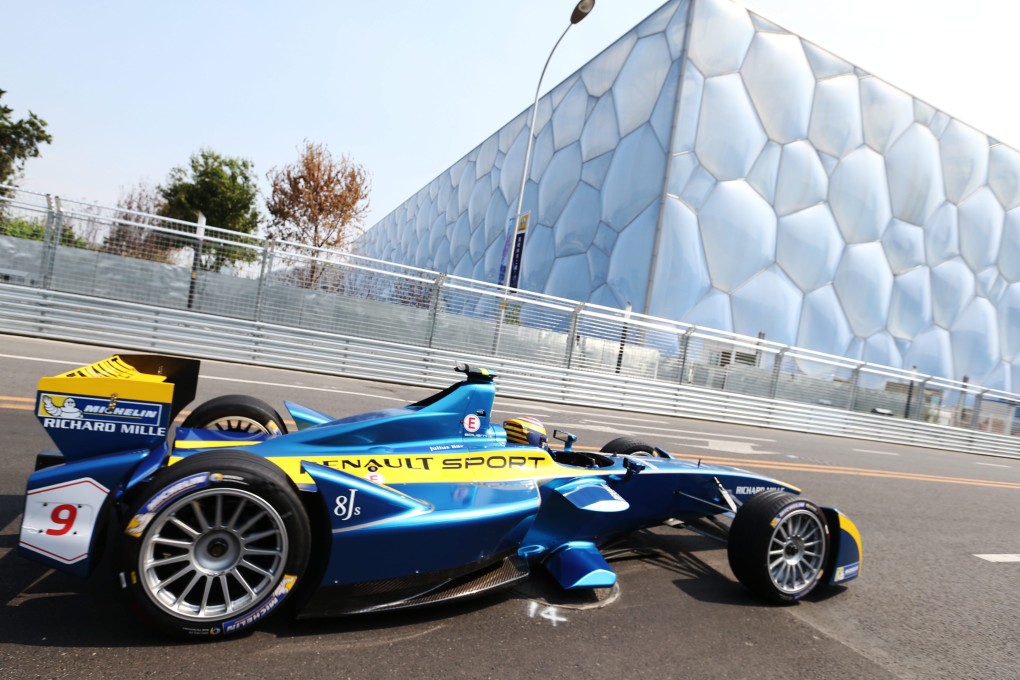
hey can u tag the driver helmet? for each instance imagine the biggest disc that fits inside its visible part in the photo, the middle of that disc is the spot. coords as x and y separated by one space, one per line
525 430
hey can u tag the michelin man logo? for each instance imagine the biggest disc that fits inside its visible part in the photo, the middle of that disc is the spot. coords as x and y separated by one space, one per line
66 410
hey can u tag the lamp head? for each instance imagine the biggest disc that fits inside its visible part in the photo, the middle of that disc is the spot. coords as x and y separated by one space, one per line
582 10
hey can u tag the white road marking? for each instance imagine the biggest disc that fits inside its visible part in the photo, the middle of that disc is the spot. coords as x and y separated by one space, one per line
993 465
880 453
1000 558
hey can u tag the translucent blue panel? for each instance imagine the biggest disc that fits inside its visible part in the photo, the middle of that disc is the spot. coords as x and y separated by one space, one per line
864 284
605 238
558 183
975 338
938 123
809 247
781 85
910 311
460 239
887 113
444 189
823 325
568 118
441 259
677 29
496 223
538 257
721 32
941 235
952 287
436 235
1004 175
931 353
600 73
712 311
640 81
989 284
825 64
1009 253
657 21
479 201
477 244
681 274
859 196
915 177
569 278
635 177
510 132
457 171
422 256
665 108
802 180
598 265
594 171
464 267
1009 324
601 133
575 230
681 168
486 156
923 113
999 378
689 109
835 126
729 135
765 172
881 349
904 246
763 25
605 297
738 229
513 167
699 188
465 185
964 160
981 220
769 302
559 93
633 252
542 153
493 260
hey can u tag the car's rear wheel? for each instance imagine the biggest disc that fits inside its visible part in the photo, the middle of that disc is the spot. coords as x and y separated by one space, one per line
237 413
629 446
778 545
216 547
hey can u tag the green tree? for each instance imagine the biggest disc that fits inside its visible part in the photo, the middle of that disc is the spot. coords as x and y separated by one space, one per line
35 230
223 189
131 235
19 141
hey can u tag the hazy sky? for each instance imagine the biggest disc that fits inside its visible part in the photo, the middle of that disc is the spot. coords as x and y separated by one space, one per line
131 89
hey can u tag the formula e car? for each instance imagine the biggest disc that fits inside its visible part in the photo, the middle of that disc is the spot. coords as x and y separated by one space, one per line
216 527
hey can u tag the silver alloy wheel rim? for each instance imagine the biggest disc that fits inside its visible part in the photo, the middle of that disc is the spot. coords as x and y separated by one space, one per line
238 424
796 551
213 554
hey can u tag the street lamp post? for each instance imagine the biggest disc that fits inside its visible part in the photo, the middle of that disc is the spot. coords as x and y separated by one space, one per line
581 10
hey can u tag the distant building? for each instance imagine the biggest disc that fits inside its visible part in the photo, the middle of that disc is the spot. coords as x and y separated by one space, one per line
711 167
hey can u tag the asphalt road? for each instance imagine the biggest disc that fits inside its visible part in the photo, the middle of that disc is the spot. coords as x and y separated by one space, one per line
926 605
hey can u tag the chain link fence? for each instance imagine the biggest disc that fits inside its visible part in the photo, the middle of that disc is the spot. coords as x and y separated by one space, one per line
50 244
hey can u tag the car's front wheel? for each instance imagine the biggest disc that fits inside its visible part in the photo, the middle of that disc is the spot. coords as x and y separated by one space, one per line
778 544
216 547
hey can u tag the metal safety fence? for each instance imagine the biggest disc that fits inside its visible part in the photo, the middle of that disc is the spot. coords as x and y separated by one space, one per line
81 272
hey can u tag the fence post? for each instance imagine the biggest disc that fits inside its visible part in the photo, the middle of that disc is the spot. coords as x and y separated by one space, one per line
975 414
572 333
267 267
685 343
623 337
51 237
777 367
855 378
437 287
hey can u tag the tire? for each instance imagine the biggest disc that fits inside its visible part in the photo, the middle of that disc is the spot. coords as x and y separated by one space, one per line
216 547
237 413
778 546
629 446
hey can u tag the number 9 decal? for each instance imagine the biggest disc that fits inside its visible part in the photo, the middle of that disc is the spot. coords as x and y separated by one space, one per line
63 516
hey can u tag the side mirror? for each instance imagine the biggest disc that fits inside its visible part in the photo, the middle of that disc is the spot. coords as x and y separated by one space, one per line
565 437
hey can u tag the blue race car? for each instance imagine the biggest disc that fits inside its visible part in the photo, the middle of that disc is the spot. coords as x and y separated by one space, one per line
216 527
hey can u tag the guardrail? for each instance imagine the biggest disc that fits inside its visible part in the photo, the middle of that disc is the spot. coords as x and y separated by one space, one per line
138 281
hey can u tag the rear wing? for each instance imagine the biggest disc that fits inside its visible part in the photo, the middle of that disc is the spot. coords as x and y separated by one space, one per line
124 402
